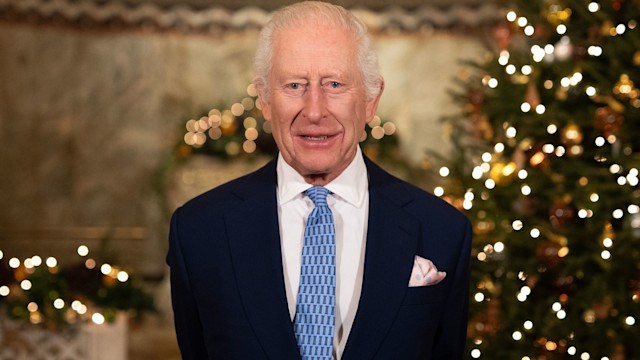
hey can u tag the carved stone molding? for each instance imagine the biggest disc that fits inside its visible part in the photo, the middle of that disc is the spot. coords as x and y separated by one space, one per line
194 16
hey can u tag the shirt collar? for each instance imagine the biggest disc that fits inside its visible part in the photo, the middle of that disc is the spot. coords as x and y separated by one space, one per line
351 185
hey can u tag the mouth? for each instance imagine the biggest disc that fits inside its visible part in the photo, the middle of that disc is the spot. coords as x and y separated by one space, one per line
317 138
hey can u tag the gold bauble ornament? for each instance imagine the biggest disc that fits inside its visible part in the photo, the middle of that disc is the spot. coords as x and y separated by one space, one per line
624 87
537 157
571 134
503 173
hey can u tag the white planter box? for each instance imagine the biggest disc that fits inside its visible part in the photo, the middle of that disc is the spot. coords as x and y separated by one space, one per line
86 342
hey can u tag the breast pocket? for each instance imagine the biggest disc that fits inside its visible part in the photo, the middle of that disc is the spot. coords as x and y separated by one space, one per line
425 294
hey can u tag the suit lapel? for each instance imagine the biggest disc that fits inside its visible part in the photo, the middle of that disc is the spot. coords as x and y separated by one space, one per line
391 246
257 260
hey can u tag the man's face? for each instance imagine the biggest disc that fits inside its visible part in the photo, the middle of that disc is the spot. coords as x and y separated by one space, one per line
317 104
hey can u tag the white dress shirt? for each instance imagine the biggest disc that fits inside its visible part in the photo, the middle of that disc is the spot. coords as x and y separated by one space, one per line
349 204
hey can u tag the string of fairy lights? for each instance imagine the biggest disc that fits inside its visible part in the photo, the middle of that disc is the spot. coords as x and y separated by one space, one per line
74 310
218 124
492 170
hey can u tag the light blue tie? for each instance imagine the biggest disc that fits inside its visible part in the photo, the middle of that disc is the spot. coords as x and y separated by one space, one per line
315 311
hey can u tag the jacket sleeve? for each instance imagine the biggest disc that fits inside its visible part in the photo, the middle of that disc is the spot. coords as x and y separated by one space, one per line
452 332
185 310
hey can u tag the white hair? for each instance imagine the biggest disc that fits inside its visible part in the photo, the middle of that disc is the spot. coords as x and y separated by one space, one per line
321 13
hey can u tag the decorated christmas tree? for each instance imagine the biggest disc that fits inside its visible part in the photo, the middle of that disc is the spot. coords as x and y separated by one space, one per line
546 167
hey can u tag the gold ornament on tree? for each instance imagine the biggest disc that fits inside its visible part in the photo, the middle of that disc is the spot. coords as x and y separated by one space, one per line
557 15
503 173
625 88
571 134
538 158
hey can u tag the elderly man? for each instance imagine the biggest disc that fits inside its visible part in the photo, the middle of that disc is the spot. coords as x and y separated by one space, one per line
320 254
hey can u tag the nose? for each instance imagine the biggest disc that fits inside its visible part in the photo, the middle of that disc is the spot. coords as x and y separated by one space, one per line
314 103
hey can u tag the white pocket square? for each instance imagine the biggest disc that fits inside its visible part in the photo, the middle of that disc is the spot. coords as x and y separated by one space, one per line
425 273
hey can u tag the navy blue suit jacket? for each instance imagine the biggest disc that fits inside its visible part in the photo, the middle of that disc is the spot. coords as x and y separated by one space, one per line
228 287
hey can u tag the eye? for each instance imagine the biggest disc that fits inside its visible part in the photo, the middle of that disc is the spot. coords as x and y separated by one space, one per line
295 86
334 84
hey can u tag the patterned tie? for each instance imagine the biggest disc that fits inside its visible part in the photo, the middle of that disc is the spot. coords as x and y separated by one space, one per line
315 311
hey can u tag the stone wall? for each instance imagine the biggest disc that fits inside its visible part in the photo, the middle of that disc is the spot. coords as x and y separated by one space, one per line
87 116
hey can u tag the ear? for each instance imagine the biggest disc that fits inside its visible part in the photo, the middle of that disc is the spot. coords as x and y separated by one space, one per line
372 105
266 108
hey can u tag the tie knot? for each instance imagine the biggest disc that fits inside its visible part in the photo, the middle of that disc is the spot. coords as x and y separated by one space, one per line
318 195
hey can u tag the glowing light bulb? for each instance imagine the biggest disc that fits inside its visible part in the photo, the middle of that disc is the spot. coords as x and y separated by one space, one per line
517 225
97 318
561 29
522 21
529 30
83 250
523 174
105 269
58 303
618 214
25 285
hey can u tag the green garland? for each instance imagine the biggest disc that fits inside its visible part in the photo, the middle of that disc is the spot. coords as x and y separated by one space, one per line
40 292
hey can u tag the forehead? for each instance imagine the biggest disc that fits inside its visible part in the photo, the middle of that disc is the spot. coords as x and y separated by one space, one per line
314 46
